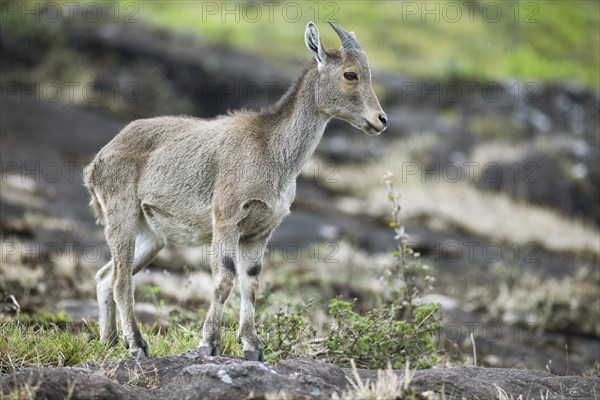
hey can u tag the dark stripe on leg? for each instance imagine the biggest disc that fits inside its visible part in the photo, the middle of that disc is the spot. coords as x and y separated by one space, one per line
229 264
254 270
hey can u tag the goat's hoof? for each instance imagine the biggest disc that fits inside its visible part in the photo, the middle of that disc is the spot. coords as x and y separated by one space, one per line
254 355
210 350
139 352
139 349
205 350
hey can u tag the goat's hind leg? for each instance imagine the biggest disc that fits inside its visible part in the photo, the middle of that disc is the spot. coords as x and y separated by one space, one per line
107 317
147 245
121 231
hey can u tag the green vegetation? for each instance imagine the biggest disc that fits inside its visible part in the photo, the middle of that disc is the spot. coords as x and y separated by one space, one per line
45 319
527 40
382 337
484 40
374 340
24 344
48 345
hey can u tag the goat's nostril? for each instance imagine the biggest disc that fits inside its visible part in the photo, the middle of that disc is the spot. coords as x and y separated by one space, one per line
383 119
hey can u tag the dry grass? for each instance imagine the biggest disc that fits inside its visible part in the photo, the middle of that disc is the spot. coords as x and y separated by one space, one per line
138 376
389 385
551 303
22 390
33 269
459 204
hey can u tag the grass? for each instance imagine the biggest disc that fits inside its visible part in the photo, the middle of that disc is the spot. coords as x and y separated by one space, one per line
46 344
565 304
389 385
47 339
27 345
535 40
527 40
23 344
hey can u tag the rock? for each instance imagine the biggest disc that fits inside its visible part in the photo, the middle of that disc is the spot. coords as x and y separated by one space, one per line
57 383
488 383
190 376
9 306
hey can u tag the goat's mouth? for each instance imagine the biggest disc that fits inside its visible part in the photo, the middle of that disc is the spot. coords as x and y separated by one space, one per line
371 129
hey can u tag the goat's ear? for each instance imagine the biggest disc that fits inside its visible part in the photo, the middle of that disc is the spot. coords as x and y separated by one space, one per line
314 44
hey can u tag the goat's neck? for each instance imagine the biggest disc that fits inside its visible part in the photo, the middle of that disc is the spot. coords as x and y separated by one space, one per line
299 124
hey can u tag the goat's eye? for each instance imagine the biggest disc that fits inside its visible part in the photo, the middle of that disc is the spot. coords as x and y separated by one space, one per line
350 76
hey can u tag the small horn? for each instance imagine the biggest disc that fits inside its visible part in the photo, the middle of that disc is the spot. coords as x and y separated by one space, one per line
348 41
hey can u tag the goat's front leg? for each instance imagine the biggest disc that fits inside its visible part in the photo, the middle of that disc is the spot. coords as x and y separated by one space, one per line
224 250
248 269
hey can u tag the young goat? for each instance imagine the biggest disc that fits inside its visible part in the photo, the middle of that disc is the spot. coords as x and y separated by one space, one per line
228 180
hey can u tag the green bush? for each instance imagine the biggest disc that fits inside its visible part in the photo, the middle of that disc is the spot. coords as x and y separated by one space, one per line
380 337
288 332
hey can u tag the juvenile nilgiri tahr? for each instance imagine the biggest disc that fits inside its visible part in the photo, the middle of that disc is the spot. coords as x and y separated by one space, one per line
228 181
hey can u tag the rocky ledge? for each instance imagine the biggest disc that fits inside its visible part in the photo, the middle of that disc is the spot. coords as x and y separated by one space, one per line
191 376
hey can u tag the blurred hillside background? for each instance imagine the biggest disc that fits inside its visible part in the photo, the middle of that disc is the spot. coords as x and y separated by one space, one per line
491 40
494 142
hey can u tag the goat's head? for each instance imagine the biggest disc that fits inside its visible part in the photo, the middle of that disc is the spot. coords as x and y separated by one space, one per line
344 89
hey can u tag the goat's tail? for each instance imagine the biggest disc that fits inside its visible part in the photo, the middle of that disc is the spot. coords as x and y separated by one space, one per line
95 202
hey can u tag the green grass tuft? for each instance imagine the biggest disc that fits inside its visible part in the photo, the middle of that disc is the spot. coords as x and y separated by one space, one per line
28 345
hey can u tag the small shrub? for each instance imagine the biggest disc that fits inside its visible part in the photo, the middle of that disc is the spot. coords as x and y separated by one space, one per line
288 332
373 340
379 337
